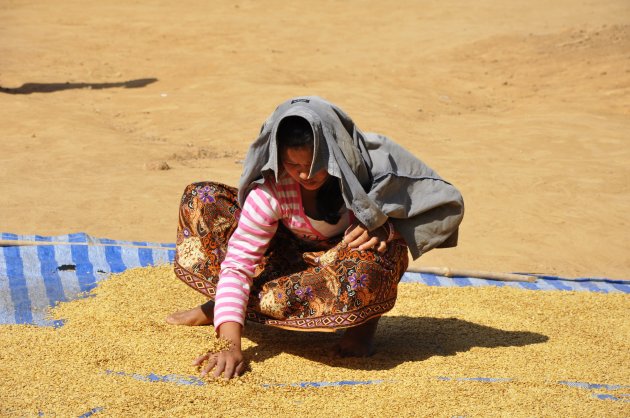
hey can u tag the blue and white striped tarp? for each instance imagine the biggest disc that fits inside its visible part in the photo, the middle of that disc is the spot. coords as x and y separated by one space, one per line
77 238
35 277
544 282
36 272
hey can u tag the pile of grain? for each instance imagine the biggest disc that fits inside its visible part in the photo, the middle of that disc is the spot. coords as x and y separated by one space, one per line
427 349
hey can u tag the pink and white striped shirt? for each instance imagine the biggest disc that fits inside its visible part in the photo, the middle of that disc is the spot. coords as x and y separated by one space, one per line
264 207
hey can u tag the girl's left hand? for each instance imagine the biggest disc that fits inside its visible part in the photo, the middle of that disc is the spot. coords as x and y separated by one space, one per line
357 236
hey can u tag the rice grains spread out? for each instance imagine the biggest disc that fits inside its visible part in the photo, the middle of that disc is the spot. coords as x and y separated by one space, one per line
431 350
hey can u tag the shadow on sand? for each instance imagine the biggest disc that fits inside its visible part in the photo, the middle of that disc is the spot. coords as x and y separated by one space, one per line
398 339
29 88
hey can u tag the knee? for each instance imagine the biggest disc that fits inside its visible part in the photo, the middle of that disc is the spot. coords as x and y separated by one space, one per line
393 259
193 189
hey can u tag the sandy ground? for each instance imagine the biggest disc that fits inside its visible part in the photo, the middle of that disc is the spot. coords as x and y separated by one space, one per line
524 105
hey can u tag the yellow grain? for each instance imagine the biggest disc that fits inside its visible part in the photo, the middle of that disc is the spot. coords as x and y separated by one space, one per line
432 341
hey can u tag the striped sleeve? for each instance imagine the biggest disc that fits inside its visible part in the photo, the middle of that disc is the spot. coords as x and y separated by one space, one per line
256 227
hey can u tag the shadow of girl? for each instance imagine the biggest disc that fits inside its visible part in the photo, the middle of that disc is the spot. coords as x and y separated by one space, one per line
398 339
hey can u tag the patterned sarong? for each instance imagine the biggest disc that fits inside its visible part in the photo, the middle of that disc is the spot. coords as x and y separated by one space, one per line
298 285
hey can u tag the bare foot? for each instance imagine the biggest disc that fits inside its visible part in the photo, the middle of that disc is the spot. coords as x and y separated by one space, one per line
200 315
357 341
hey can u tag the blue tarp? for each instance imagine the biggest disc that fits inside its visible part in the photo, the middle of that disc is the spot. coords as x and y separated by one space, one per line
35 277
53 269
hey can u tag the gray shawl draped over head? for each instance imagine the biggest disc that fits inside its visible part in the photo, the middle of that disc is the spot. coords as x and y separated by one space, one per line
378 178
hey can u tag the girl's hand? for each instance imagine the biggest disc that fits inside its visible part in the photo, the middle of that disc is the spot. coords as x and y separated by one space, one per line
357 236
231 363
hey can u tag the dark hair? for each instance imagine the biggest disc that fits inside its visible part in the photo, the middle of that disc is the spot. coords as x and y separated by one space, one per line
296 132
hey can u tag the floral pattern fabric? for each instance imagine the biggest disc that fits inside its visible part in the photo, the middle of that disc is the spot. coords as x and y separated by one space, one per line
297 285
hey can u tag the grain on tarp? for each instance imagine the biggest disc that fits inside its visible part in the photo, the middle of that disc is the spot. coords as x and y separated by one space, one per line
430 350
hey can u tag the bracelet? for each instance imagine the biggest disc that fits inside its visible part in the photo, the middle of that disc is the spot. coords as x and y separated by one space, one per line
389 229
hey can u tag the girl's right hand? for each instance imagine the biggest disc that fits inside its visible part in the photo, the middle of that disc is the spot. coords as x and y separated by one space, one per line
230 363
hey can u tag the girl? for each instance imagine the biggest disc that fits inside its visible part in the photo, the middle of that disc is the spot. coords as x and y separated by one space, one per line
317 235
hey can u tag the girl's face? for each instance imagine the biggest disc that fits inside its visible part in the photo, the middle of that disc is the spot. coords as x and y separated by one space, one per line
297 163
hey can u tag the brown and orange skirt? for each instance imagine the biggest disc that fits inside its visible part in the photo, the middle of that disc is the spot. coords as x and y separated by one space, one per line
297 285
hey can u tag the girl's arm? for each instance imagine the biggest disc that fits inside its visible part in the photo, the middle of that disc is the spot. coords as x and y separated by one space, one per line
257 225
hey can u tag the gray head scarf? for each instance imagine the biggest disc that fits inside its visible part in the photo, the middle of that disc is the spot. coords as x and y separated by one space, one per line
379 179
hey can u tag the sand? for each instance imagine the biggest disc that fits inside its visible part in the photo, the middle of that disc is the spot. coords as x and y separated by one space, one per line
444 352
524 106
